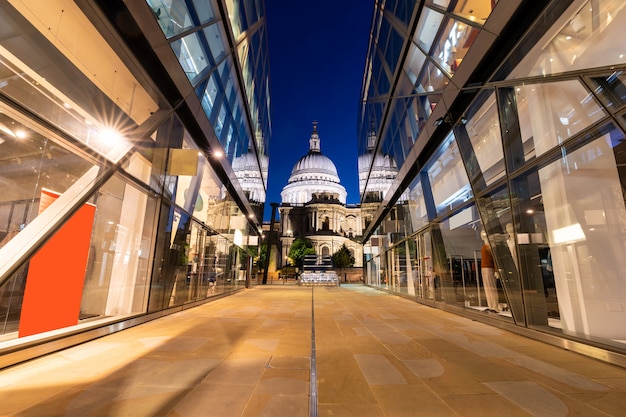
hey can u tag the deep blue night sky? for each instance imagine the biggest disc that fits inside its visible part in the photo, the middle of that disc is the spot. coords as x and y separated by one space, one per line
317 56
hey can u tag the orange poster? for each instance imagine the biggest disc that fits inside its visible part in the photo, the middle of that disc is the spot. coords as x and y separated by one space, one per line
56 274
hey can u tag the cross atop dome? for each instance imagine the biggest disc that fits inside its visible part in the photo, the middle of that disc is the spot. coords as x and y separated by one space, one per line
314 141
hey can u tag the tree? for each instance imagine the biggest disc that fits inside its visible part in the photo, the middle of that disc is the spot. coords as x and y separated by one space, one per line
343 258
300 247
261 256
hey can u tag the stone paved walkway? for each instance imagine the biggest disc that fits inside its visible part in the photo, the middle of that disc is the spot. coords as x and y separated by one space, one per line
377 355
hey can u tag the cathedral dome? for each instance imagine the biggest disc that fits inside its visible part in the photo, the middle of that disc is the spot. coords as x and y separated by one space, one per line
317 164
252 181
313 173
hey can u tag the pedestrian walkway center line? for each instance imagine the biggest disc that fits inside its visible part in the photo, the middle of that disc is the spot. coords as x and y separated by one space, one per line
313 378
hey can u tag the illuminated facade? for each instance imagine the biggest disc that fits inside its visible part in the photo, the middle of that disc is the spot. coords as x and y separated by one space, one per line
314 206
133 162
506 119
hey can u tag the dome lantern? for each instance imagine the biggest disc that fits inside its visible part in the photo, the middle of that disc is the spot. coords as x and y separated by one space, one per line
314 141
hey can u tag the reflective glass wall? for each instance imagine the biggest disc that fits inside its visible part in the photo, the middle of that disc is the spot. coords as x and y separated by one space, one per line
233 89
510 178
114 201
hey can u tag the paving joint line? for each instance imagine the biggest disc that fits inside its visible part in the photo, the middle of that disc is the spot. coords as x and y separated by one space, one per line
313 375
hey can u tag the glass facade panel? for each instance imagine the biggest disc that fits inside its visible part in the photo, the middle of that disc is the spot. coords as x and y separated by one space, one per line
401 9
441 3
516 205
503 289
215 38
485 160
433 79
459 262
381 83
589 37
425 280
448 179
401 272
191 54
168 287
373 265
611 90
116 281
139 166
204 10
414 63
530 248
427 29
209 95
417 206
551 113
172 15
456 40
236 14
103 131
393 47
197 264
585 214
31 163
93 168
475 10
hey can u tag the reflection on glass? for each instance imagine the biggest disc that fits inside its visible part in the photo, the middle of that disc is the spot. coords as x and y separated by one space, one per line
237 17
191 54
377 171
427 28
119 258
466 286
475 10
11 291
251 179
590 37
209 95
433 79
401 272
381 83
585 220
104 131
534 253
498 235
417 206
172 15
457 38
553 112
392 46
215 38
611 90
204 10
448 178
483 130
440 3
30 162
424 282
373 265
413 64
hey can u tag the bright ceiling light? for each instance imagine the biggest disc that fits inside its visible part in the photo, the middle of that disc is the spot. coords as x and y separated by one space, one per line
110 135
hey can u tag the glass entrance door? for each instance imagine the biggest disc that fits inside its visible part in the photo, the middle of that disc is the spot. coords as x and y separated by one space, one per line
424 262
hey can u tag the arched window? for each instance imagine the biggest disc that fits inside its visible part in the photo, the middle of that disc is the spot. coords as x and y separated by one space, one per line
325 251
326 223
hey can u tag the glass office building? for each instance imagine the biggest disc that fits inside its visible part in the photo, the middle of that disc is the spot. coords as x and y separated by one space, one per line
133 162
506 122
